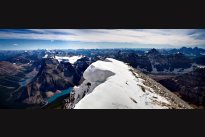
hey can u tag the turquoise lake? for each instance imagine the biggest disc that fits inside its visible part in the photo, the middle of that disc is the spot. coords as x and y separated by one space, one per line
55 96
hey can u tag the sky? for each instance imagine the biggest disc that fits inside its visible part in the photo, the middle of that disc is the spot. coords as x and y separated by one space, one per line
29 39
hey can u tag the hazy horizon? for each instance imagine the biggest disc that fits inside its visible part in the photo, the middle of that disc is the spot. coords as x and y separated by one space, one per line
96 48
51 39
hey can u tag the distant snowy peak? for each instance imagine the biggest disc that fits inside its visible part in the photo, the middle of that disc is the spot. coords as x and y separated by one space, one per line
71 59
112 84
46 56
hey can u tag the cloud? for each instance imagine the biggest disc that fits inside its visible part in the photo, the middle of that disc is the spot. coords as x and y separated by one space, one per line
15 44
173 37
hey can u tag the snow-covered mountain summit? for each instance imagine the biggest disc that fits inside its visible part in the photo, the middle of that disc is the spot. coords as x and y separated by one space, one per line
112 84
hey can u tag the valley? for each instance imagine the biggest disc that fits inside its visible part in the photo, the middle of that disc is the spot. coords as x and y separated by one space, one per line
47 78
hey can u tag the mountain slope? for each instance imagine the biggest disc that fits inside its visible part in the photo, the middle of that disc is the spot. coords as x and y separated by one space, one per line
111 84
52 77
190 86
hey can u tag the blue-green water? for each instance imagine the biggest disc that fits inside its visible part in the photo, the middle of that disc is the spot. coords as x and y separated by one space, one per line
55 96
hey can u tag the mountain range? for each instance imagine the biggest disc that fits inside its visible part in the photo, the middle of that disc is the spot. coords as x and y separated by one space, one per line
31 79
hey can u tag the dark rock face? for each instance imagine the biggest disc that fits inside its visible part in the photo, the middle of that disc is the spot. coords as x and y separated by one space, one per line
82 64
153 59
200 60
23 58
188 51
170 84
168 62
191 51
135 60
20 60
153 53
52 76
144 63
179 61
190 86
